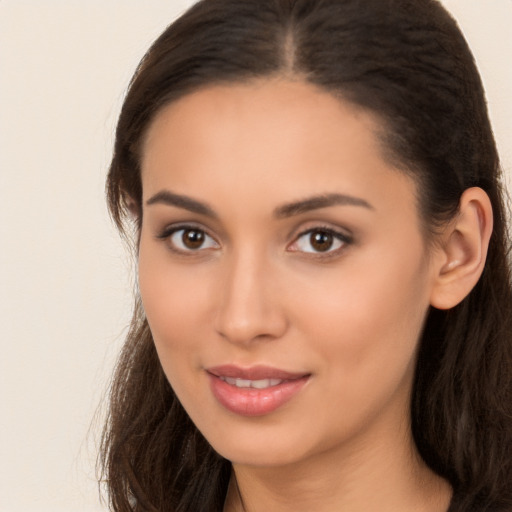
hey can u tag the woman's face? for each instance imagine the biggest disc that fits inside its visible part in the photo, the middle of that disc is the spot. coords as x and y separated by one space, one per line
282 270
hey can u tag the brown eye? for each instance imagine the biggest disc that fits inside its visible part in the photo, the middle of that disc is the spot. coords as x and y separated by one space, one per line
321 241
192 238
189 239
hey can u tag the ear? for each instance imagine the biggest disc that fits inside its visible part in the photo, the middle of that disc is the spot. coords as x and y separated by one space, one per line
461 257
132 207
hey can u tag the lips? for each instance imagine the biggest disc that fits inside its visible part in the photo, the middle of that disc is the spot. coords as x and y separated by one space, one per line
254 391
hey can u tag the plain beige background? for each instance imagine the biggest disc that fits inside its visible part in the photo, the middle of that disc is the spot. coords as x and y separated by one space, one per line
65 281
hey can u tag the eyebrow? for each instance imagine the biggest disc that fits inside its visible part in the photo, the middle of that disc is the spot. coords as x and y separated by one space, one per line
169 198
187 203
320 201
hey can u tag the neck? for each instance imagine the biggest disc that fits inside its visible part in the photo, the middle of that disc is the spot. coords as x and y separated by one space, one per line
381 472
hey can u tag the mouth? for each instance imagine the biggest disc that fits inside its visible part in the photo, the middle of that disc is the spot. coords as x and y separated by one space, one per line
254 391
256 384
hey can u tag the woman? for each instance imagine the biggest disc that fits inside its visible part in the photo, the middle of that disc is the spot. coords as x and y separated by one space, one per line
325 314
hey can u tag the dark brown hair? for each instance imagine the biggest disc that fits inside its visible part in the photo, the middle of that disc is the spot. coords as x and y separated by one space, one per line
407 62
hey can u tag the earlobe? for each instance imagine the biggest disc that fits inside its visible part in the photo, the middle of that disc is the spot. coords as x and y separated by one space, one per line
463 251
132 207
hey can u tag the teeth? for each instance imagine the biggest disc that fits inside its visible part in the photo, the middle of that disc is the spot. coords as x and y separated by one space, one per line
265 383
257 384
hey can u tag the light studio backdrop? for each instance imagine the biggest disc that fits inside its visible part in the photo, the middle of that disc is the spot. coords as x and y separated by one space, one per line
65 291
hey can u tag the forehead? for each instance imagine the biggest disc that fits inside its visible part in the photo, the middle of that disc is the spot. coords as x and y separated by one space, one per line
278 138
257 114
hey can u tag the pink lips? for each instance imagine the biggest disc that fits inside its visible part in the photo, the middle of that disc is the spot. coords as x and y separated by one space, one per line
254 391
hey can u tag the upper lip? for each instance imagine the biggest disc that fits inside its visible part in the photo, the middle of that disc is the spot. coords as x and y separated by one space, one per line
259 372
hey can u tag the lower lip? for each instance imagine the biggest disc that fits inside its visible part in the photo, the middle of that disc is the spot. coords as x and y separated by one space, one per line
252 401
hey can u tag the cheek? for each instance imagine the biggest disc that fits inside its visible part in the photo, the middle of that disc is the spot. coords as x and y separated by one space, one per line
368 316
173 306
172 303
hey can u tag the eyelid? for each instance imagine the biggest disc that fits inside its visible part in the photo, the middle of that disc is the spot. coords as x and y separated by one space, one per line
342 235
168 231
307 227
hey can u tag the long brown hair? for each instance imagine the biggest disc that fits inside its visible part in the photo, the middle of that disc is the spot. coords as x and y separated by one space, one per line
406 61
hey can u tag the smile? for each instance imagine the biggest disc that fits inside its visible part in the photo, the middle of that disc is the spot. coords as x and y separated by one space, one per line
257 384
255 391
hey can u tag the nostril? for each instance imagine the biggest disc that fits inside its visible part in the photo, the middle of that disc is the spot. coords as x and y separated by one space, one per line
250 325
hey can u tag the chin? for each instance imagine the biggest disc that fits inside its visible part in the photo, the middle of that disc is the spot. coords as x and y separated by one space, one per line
263 445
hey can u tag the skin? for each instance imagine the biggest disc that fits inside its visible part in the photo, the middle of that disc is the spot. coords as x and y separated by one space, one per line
257 292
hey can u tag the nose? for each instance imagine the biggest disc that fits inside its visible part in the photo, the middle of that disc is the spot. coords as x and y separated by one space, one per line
250 307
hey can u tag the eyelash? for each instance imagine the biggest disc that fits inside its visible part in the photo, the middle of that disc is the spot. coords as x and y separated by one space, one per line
170 231
343 239
336 236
